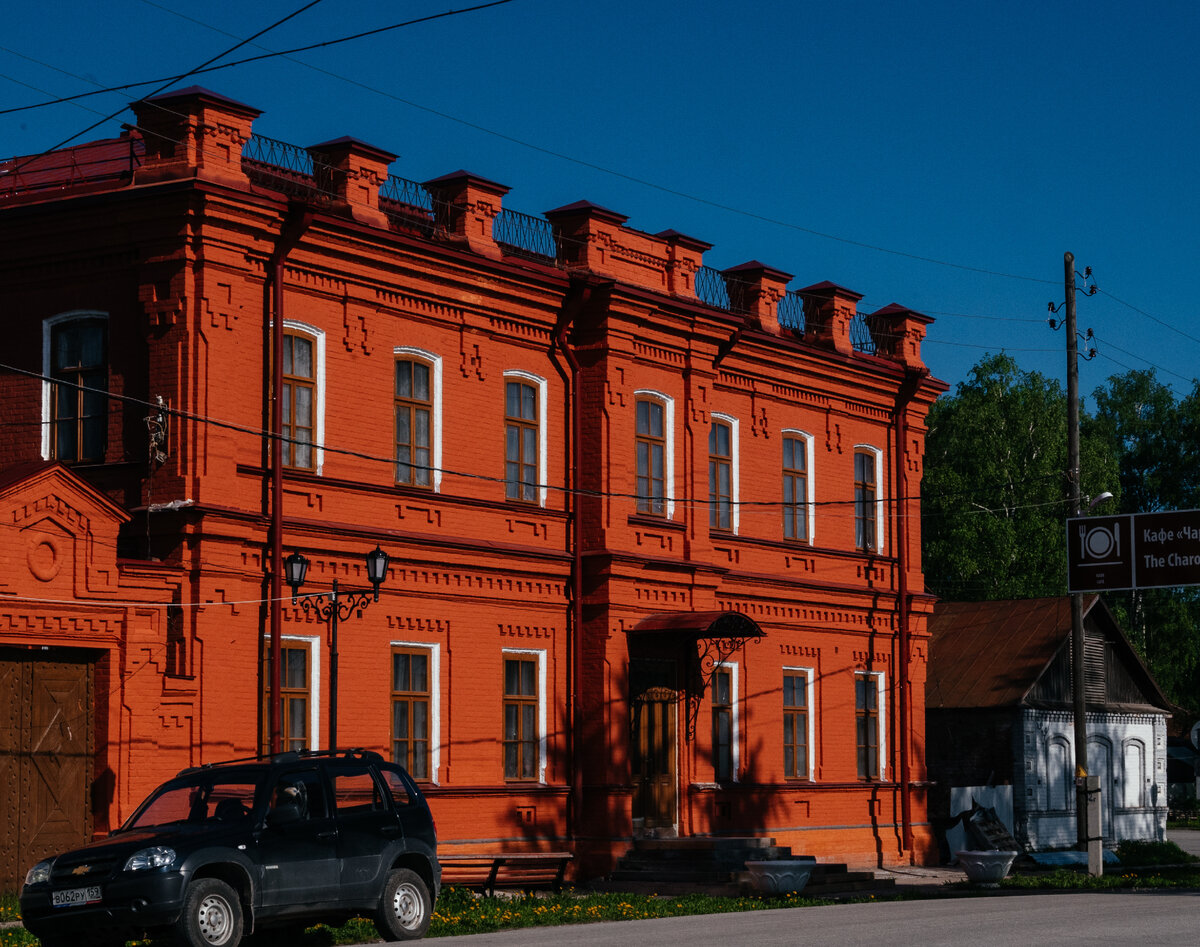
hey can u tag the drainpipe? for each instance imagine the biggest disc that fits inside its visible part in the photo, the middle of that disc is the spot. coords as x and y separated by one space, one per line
294 225
903 398
579 293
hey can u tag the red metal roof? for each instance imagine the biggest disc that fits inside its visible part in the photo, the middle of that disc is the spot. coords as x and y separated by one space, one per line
94 162
989 654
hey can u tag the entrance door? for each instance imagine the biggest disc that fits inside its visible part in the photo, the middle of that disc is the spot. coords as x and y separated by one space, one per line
45 759
653 745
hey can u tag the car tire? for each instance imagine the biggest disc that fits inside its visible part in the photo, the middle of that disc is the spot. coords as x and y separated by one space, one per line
404 909
212 915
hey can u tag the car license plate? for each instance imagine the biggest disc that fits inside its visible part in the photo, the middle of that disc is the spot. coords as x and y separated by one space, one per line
69 896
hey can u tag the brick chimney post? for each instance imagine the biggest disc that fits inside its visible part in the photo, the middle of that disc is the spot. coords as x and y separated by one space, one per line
352 172
756 289
828 312
898 332
196 133
685 256
465 207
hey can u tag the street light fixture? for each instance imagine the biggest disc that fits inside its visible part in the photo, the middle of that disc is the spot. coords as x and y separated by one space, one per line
332 606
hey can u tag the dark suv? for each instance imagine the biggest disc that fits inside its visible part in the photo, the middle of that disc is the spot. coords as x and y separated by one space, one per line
233 848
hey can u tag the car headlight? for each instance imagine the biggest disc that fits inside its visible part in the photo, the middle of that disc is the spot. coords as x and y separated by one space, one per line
157 857
39 873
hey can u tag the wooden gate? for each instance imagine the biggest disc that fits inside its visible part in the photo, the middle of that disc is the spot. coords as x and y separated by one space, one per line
46 758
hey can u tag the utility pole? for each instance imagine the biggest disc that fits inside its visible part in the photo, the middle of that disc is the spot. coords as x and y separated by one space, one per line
1087 809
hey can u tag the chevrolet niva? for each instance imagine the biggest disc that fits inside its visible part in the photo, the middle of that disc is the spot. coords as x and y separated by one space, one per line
264 844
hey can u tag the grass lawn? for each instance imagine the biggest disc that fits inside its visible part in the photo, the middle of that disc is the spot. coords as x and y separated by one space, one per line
459 911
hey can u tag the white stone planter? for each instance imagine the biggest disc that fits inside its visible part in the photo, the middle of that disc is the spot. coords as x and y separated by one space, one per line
780 876
986 868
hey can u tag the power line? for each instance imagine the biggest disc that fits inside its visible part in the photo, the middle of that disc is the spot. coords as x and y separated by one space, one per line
206 68
163 86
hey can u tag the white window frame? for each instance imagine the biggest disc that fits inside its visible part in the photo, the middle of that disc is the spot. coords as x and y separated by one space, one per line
48 325
318 337
880 538
435 363
540 383
880 716
735 729
435 702
810 499
541 706
810 712
668 404
735 463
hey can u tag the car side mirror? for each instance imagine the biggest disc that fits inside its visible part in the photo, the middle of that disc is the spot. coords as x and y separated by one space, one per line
284 814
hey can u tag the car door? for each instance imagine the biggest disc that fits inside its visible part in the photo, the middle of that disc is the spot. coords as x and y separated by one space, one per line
366 827
299 849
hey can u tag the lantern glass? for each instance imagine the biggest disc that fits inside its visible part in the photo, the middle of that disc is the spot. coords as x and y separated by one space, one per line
295 568
377 563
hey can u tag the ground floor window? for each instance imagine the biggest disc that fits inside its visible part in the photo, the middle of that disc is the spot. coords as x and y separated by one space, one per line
410 710
796 756
867 724
724 723
523 715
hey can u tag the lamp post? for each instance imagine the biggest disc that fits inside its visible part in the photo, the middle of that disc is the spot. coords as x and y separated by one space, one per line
332 606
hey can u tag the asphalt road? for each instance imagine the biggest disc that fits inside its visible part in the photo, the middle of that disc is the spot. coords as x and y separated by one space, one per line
1143 919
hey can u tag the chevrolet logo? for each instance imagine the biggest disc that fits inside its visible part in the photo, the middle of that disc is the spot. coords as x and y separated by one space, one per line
81 869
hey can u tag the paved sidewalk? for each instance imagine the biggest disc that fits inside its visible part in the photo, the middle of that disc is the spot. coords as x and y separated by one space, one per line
1187 839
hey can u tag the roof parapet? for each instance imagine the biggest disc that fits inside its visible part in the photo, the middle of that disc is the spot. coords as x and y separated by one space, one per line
194 133
465 208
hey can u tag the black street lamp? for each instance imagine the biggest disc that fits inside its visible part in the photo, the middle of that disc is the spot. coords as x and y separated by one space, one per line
335 605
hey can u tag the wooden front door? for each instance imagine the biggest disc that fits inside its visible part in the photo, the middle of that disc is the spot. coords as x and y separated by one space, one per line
654 768
45 759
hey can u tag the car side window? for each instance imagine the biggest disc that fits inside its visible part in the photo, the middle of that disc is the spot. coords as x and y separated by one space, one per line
355 790
396 786
303 789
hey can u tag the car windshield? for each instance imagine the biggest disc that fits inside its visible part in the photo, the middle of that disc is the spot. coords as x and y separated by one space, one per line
198 798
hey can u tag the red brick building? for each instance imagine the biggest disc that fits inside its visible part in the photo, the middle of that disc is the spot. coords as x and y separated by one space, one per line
654 551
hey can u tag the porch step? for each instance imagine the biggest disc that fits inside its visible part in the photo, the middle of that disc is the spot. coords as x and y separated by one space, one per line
718 866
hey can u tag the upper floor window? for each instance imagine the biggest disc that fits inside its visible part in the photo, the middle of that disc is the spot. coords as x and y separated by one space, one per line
414 422
76 357
868 512
722 473
299 400
797 493
651 457
524 437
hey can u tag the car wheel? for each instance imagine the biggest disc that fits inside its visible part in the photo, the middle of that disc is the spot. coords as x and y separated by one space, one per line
212 915
404 910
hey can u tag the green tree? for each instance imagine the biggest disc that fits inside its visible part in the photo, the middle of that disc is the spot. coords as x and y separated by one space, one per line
994 491
1154 438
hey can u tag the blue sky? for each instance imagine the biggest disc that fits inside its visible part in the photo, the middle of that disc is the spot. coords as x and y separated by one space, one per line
990 137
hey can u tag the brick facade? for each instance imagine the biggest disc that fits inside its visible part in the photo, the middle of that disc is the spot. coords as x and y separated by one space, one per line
179 258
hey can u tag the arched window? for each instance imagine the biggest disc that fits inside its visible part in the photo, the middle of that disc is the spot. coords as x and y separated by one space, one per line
798 505
75 403
868 508
1133 775
303 396
418 409
655 453
723 473
524 437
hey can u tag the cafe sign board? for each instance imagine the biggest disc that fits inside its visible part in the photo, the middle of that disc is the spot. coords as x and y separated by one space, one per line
1133 551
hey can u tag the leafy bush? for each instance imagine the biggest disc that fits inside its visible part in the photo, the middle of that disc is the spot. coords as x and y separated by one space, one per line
1135 853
